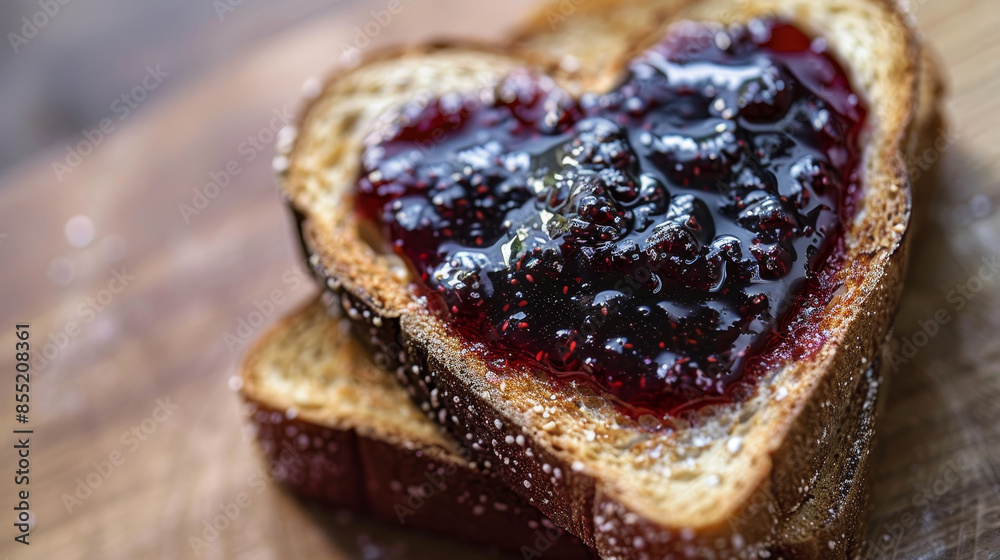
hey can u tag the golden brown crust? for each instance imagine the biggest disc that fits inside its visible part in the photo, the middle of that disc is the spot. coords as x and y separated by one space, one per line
590 468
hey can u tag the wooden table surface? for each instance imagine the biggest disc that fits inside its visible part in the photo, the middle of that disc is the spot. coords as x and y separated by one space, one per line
125 351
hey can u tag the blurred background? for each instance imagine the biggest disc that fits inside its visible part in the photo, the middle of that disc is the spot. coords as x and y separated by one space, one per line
62 76
116 116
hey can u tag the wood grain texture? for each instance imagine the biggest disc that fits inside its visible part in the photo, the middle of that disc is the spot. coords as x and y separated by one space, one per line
937 468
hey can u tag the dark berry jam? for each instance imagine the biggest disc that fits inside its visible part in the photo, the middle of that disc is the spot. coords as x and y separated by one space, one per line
652 240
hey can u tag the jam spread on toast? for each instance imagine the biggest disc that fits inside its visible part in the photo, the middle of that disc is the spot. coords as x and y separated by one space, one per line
660 240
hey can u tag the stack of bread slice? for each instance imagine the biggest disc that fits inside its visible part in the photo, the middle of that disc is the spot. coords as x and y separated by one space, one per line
426 436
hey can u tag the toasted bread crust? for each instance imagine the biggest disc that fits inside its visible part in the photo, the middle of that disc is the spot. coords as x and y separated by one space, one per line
406 476
611 488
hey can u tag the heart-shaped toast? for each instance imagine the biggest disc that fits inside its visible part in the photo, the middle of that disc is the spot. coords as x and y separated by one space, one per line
772 177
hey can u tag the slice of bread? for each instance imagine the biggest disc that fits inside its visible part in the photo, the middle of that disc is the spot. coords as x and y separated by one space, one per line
782 472
337 429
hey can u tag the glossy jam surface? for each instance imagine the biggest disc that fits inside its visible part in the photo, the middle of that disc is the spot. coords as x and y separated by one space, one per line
650 240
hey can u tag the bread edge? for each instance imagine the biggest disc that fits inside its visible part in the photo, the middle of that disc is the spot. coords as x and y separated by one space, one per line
400 482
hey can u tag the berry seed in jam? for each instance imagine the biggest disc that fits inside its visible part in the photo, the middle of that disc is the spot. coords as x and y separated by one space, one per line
650 240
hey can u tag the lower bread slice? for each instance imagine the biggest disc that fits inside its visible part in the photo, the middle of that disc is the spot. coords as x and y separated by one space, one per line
335 428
